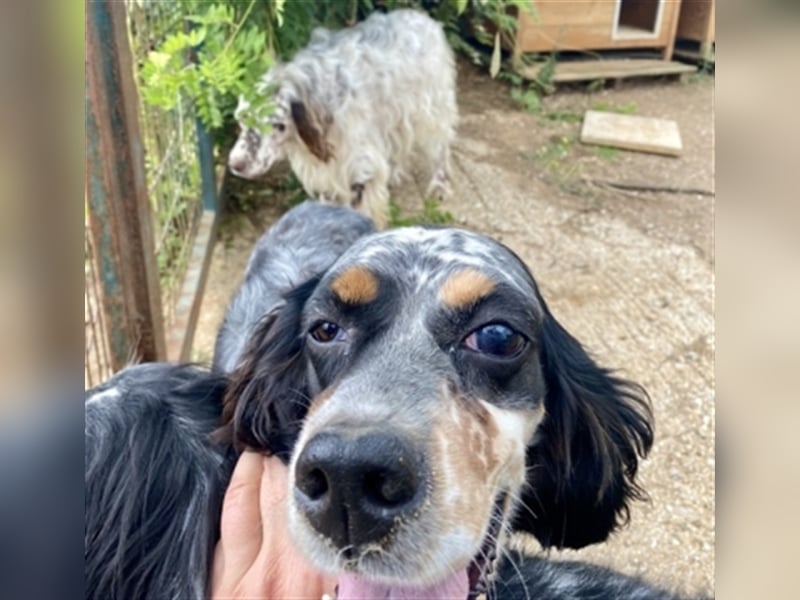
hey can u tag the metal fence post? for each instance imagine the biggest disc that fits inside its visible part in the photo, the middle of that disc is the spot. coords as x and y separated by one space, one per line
119 211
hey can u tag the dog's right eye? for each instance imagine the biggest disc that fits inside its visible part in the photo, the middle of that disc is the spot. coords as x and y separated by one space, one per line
496 340
325 332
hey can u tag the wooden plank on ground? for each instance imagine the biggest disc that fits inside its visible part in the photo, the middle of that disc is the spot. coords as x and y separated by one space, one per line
631 132
586 70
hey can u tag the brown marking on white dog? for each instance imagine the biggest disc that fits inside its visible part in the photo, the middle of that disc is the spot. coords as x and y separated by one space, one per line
465 288
478 453
312 125
356 285
467 464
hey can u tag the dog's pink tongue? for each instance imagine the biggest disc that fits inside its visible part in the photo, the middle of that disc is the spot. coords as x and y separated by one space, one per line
455 587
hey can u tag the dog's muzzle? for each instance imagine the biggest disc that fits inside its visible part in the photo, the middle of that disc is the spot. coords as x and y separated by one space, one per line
355 487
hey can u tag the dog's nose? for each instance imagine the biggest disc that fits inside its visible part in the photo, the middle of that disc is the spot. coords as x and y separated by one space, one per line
352 490
237 165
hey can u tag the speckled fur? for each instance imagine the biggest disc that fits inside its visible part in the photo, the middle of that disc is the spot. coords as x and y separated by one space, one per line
304 243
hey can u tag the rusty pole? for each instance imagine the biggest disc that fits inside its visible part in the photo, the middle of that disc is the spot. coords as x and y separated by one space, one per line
119 211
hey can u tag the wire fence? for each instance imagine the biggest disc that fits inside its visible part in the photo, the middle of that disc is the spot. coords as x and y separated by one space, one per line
97 364
170 151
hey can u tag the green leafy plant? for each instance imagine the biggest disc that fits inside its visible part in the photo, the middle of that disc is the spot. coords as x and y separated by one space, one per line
527 98
528 92
489 19
213 60
492 23
544 76
225 47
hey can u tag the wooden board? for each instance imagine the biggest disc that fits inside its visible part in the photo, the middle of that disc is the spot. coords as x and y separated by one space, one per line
587 70
631 132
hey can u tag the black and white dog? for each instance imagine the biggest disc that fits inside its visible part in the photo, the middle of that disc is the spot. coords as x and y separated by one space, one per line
427 403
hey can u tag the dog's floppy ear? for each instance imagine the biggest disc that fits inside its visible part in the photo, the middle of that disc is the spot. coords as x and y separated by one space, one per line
312 123
582 467
267 398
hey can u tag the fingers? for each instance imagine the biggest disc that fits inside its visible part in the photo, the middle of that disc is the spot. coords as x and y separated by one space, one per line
274 485
255 557
289 573
240 526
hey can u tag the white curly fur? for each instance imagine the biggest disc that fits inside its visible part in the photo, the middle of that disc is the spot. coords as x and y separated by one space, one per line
354 107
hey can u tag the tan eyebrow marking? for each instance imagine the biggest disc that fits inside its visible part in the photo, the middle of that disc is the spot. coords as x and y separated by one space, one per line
356 285
465 288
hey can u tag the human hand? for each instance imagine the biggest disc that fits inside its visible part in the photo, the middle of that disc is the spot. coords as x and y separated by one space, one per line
254 557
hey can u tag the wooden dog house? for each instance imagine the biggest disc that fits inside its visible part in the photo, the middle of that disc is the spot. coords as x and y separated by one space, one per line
576 26
696 25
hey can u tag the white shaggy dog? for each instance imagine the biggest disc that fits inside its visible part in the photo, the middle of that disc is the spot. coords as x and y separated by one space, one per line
353 107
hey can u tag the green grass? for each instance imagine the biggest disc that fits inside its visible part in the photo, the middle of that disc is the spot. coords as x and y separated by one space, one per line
432 214
629 108
606 152
556 150
566 116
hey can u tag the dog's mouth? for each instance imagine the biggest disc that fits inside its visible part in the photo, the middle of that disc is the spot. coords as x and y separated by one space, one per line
468 583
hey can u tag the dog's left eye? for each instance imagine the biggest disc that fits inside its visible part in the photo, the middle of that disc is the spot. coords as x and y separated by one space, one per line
496 339
326 332
279 127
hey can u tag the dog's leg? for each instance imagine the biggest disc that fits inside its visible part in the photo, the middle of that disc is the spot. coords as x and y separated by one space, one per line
358 195
370 189
398 176
439 187
328 198
372 198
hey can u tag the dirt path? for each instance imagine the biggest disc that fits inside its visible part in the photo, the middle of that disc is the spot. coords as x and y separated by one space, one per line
629 273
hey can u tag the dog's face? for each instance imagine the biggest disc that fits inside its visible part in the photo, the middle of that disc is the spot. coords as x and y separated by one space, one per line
429 402
261 144
297 121
414 444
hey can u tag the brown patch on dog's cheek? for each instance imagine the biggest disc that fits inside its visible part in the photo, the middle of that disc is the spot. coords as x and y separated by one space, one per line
455 500
467 465
465 288
356 285
483 434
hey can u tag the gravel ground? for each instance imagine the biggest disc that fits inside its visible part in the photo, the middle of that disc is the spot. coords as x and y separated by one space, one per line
629 273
